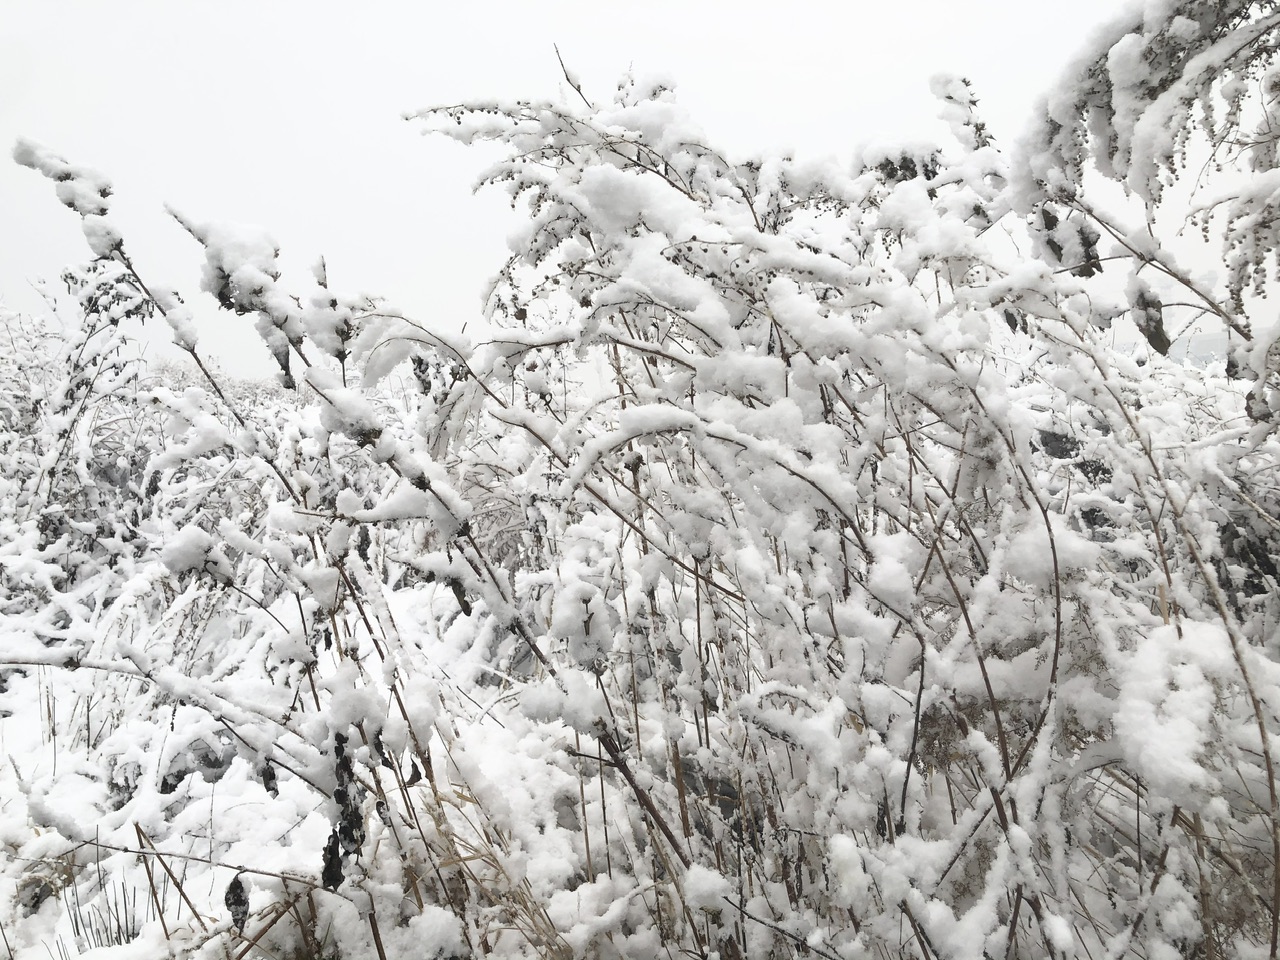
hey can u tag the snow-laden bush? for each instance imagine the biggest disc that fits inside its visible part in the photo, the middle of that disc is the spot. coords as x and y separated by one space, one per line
791 568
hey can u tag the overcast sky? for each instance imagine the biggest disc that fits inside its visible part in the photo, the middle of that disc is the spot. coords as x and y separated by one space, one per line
286 114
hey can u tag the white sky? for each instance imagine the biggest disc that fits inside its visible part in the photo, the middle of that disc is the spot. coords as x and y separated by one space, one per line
286 114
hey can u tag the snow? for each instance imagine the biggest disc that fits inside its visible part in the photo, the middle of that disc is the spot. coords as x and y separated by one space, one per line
750 580
1165 721
101 235
187 549
84 191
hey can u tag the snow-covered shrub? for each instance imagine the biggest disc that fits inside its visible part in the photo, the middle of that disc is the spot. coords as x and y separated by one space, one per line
791 567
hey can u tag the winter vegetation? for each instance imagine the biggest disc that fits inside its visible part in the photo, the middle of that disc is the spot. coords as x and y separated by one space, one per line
798 562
